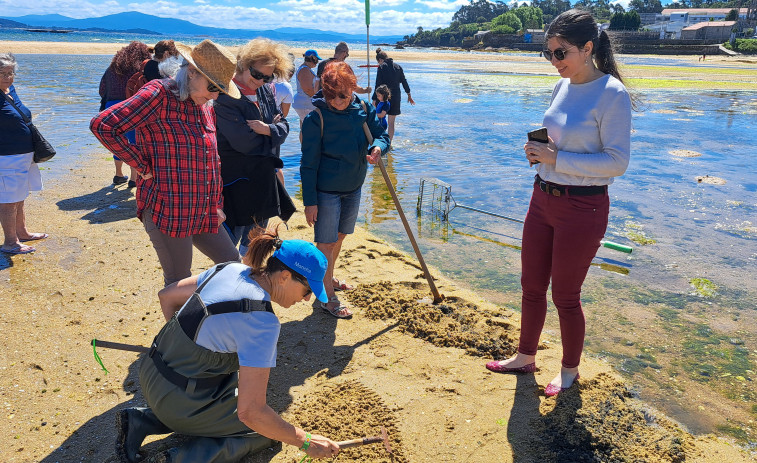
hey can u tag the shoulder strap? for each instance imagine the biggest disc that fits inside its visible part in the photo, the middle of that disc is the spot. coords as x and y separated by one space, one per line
13 103
217 269
367 131
320 115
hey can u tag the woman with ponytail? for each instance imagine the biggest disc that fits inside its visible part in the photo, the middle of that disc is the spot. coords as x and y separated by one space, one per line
207 371
589 126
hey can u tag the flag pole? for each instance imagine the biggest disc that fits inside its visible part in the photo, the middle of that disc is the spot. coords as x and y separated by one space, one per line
368 40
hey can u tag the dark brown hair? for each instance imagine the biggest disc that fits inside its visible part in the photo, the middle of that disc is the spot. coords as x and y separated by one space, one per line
263 243
165 46
384 90
128 60
381 54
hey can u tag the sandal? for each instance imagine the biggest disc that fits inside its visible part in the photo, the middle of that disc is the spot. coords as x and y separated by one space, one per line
340 285
35 237
23 249
340 311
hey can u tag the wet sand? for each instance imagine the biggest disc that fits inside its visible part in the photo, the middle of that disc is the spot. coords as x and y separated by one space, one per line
401 363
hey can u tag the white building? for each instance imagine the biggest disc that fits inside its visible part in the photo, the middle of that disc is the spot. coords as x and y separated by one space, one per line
674 20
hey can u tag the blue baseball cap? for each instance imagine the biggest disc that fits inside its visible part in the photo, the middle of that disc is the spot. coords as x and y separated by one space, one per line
307 260
312 52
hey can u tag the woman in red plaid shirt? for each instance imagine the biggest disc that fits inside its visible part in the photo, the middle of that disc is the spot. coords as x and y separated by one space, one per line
179 188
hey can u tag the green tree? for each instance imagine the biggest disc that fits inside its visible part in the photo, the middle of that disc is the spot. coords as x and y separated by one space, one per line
551 8
732 15
530 17
508 19
646 6
479 11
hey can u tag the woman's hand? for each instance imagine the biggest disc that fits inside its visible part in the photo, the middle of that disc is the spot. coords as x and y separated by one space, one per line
538 152
410 100
322 447
374 155
221 216
277 118
259 127
146 176
311 214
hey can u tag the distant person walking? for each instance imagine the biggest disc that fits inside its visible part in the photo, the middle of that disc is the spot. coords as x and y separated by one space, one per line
302 102
19 173
125 63
179 197
589 122
341 52
391 74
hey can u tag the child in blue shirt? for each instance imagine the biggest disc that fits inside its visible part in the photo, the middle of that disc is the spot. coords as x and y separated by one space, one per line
383 94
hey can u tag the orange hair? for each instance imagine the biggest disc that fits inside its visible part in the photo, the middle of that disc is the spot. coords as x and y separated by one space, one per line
338 78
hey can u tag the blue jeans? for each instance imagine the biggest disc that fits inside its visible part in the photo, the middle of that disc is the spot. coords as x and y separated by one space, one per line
241 233
337 213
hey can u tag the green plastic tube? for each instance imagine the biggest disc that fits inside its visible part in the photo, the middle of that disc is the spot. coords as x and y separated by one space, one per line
616 246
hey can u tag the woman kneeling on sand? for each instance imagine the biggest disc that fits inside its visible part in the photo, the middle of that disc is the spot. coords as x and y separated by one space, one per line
335 156
207 372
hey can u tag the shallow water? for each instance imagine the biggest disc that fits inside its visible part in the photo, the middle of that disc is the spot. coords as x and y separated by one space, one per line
468 130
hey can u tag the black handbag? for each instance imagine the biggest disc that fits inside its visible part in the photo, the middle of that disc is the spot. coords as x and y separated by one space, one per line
43 150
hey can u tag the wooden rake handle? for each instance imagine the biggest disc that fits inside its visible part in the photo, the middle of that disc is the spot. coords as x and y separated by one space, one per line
384 437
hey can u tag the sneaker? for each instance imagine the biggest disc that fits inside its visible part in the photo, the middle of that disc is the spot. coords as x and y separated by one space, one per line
119 180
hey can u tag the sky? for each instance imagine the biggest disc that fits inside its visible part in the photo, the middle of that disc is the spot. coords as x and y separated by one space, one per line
388 17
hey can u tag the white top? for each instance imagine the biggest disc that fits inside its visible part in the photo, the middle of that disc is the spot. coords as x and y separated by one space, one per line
284 93
252 335
591 125
301 99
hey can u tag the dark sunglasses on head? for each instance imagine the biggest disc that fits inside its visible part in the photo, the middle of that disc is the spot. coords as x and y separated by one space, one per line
559 54
212 88
260 76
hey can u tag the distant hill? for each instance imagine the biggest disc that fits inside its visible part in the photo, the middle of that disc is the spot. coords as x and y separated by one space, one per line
9 23
177 27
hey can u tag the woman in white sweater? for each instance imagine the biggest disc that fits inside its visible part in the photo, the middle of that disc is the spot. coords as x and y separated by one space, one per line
589 126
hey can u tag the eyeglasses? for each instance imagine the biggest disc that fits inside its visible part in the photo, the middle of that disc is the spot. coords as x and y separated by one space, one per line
8 75
558 53
340 96
303 281
213 88
260 76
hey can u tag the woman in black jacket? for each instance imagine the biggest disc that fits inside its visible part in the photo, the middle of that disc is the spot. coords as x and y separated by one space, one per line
18 173
391 74
251 131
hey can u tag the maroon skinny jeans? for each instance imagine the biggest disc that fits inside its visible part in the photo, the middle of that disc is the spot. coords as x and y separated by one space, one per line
561 236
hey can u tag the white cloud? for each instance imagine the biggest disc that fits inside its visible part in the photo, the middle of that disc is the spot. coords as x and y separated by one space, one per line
346 16
443 4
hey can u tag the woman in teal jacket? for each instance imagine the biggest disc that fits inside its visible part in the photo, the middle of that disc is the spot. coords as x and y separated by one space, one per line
335 157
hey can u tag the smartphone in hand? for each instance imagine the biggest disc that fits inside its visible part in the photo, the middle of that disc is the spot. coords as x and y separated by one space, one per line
539 135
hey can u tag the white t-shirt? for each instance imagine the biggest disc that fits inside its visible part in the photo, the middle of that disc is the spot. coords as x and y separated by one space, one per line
253 335
284 93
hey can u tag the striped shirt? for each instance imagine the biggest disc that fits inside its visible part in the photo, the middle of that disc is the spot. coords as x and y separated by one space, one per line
176 143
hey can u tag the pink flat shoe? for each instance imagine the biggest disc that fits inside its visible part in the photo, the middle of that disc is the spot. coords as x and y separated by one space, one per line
551 390
496 366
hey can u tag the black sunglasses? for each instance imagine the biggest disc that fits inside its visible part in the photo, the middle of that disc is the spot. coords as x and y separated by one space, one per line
559 54
260 76
303 281
212 88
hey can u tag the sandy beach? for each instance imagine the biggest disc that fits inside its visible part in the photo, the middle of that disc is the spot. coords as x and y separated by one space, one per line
401 362
415 368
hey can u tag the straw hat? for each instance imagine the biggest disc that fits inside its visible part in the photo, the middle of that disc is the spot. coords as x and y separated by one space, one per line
213 61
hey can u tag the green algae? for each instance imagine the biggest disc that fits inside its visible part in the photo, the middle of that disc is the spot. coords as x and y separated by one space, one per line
703 287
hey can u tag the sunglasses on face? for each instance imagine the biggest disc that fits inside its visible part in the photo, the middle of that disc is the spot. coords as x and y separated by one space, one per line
303 281
212 88
340 96
558 53
257 75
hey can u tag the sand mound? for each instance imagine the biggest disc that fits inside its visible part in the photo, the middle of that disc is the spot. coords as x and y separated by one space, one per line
349 411
453 323
609 427
685 153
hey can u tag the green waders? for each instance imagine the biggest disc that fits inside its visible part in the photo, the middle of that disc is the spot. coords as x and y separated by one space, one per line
193 390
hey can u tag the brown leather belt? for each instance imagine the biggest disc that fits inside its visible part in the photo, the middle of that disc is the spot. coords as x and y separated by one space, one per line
563 190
